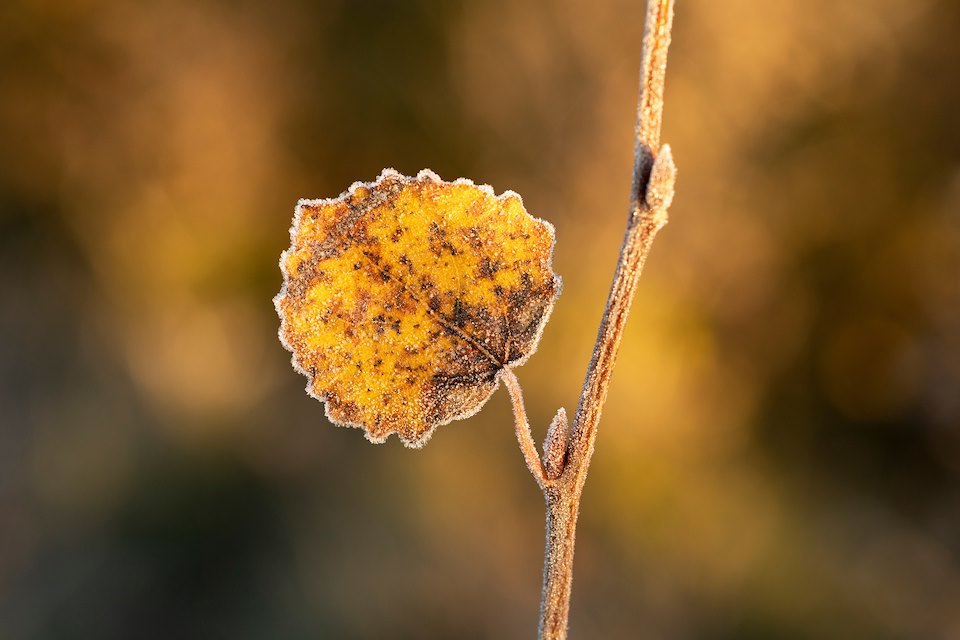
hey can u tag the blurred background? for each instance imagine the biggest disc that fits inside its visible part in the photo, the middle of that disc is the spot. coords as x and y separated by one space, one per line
780 454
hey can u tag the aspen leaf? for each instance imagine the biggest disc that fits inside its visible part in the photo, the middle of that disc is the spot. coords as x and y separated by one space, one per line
404 299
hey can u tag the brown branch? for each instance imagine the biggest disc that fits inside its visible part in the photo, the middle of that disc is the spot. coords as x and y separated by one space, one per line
651 194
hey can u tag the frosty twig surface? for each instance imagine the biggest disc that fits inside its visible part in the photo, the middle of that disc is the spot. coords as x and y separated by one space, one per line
651 193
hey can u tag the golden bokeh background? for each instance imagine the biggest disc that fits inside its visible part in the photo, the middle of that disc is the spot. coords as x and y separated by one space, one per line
780 454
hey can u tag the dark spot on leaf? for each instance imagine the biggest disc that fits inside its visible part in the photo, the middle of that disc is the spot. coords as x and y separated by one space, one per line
459 313
472 236
488 267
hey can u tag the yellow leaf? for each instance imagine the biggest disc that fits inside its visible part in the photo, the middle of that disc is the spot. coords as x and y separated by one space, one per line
405 298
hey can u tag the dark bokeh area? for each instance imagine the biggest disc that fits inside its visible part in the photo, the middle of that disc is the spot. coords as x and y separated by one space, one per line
780 453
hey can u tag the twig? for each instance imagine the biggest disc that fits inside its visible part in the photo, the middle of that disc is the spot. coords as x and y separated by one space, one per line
651 194
524 437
